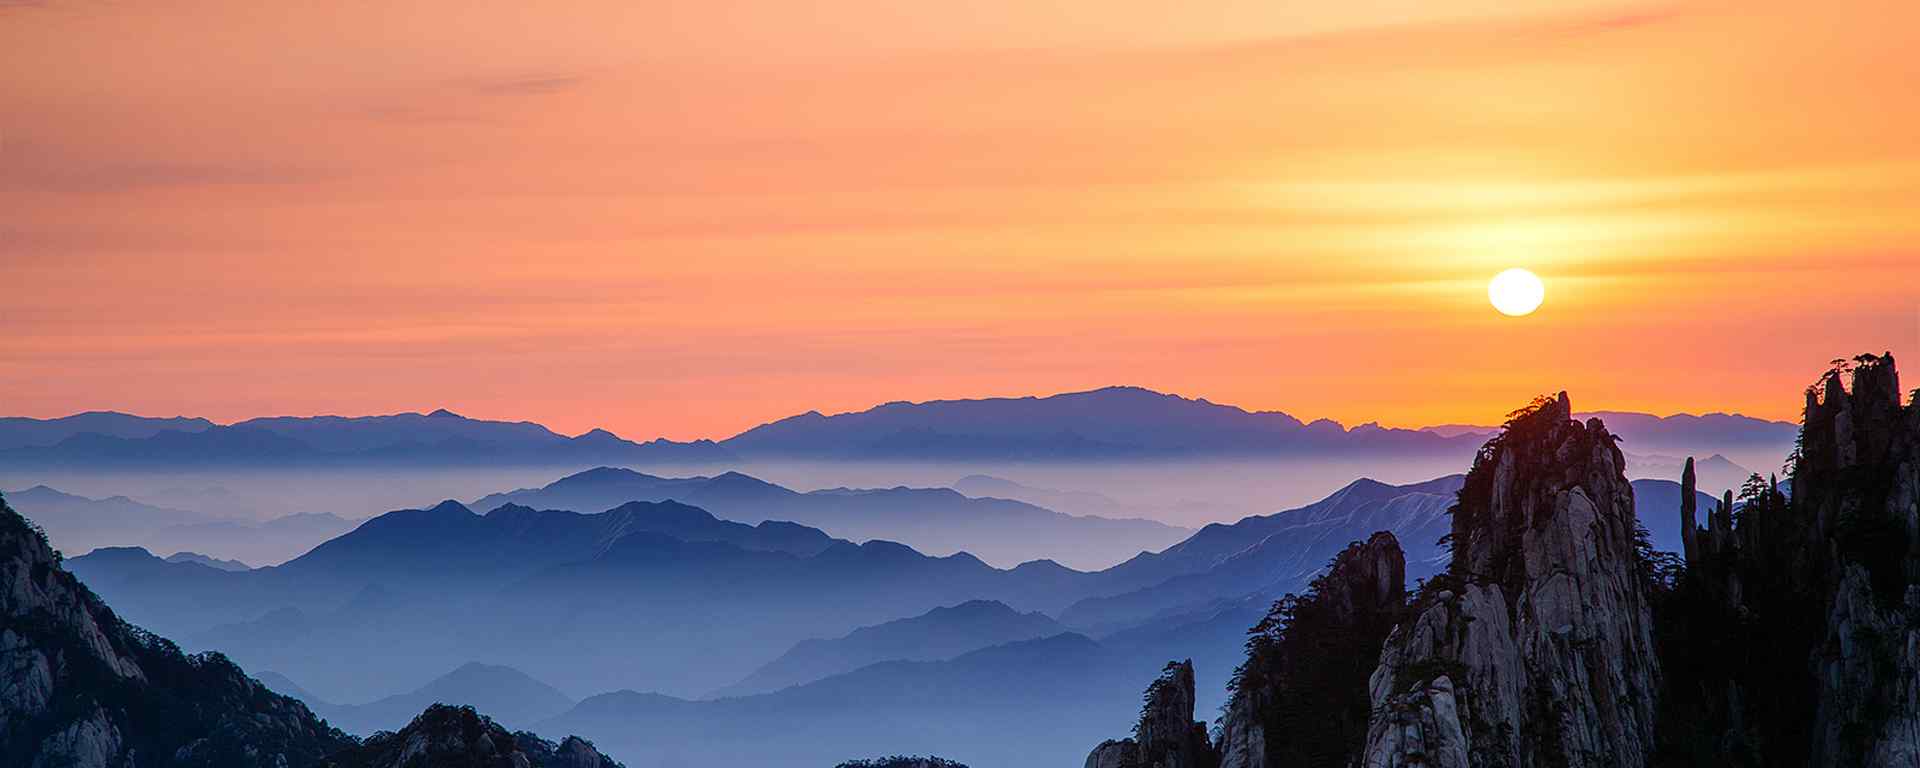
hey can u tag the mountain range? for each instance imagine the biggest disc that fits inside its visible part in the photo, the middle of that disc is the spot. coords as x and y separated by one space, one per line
368 608
441 437
78 524
1271 555
798 629
1016 704
562 595
937 521
1069 502
509 696
938 634
1655 442
1112 423
1109 423
22 432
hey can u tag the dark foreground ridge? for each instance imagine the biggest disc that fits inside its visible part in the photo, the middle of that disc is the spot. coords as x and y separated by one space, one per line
1794 630
1301 696
1786 634
902 761
459 736
85 689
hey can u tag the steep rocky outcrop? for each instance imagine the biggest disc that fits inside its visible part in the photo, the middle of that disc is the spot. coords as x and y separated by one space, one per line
1301 697
902 761
458 737
1794 632
1536 647
1167 735
83 689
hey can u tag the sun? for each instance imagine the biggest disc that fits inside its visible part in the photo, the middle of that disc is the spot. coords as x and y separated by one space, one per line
1516 292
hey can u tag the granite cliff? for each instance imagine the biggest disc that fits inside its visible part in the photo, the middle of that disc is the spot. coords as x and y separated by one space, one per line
1536 646
1167 735
84 689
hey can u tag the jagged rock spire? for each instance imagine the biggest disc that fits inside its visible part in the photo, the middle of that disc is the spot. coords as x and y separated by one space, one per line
1536 648
1689 526
1167 735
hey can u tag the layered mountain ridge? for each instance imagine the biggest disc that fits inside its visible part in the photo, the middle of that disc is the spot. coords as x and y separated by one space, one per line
938 521
1111 423
440 437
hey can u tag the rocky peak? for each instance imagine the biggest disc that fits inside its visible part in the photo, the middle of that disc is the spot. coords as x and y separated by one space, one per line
1536 647
1167 735
902 761
1301 696
1166 721
1689 525
458 737
87 690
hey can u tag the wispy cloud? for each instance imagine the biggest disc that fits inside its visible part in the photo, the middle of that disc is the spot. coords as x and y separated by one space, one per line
528 85
466 100
125 177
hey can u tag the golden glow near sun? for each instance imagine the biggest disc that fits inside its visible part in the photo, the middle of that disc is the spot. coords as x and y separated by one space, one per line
1516 292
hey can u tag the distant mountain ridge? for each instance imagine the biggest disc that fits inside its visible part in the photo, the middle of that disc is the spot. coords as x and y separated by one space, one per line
934 520
21 432
1266 556
932 636
1008 704
210 562
409 587
1118 422
1664 439
440 437
76 524
1108 423
508 695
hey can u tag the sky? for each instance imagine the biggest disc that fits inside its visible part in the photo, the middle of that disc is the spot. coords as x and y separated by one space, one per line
683 219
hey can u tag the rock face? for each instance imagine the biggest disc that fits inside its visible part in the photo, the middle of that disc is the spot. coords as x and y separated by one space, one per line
1301 697
902 761
1536 647
1795 629
84 689
458 737
1167 735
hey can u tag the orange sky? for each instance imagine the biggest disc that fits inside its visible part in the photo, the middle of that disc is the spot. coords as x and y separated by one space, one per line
686 218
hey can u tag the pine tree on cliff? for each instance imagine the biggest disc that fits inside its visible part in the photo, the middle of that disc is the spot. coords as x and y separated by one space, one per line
1536 647
1301 696
86 689
1790 635
1166 735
